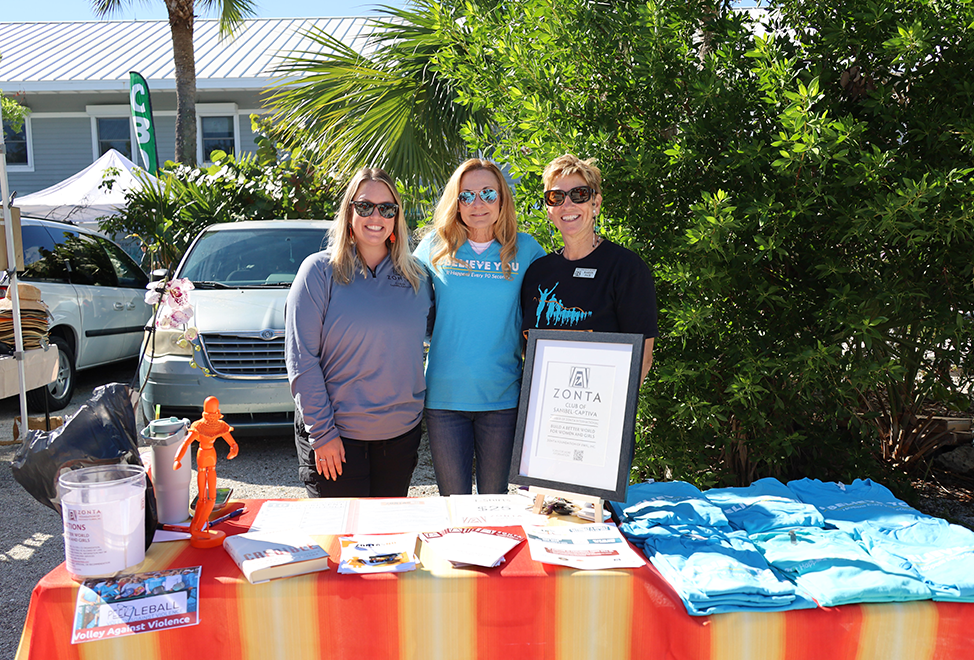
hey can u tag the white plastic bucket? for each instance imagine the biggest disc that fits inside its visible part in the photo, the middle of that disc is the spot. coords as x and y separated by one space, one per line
171 486
103 510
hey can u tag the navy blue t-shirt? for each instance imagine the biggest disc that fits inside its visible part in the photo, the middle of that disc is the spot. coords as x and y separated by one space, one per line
609 290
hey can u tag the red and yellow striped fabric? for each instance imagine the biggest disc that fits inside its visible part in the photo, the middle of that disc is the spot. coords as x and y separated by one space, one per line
521 610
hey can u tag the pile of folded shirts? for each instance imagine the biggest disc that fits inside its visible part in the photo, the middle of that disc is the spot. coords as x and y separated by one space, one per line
937 552
689 540
34 317
771 547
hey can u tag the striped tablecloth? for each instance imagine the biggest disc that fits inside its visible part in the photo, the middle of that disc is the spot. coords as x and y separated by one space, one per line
521 610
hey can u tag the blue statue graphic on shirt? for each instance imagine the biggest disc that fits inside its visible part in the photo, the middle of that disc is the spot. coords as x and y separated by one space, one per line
554 310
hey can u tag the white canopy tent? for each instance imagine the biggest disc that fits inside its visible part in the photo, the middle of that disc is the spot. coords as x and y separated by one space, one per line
82 198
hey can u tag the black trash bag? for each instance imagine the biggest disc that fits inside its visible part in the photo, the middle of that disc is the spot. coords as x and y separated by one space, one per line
102 432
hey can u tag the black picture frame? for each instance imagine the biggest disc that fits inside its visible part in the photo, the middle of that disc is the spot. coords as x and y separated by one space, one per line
614 420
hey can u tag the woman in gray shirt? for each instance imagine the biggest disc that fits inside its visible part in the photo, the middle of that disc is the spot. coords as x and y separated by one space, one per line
357 315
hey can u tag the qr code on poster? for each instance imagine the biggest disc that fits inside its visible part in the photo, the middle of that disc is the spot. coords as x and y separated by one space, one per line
578 455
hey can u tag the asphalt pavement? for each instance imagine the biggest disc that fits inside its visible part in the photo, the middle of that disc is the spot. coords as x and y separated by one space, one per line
31 544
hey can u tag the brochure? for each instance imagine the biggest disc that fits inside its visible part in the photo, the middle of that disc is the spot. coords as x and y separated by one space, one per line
136 603
263 556
587 547
476 546
383 553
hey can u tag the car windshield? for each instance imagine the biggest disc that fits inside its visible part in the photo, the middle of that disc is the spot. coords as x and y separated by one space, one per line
251 257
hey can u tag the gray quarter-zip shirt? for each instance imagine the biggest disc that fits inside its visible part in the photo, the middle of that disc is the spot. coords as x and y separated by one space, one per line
354 352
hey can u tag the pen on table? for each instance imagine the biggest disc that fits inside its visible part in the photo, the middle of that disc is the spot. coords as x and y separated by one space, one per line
215 521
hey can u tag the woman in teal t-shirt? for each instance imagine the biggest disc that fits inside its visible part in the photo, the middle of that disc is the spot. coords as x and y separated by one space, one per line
477 259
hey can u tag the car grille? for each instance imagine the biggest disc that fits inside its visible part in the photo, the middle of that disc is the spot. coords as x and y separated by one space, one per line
245 355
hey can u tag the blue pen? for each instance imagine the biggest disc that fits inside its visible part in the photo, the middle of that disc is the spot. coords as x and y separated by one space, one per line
232 514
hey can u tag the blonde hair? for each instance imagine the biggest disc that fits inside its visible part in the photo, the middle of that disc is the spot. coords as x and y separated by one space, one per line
450 231
345 259
570 164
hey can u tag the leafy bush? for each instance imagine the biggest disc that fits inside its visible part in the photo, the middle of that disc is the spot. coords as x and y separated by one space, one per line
802 189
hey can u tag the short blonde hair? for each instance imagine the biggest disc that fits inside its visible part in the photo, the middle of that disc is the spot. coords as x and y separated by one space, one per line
570 164
451 233
345 260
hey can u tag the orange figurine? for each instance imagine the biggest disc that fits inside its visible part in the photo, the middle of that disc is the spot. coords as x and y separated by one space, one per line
206 431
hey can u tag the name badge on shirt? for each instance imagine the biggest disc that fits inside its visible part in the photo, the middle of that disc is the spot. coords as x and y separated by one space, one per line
586 273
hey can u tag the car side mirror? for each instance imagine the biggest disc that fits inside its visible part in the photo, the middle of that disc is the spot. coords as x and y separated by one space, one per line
159 274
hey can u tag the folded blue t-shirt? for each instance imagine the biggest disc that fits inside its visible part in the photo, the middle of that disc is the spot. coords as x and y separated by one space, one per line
667 503
764 505
835 569
860 501
940 553
718 571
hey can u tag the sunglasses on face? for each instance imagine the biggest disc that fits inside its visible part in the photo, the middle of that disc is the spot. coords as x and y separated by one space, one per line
578 195
487 195
386 209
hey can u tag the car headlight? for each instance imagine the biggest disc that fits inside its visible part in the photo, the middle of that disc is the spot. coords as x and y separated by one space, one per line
167 341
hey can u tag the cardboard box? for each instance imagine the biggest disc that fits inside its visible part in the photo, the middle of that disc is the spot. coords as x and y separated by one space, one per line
18 241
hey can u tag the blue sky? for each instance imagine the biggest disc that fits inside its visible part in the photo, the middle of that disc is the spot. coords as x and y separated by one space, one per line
80 10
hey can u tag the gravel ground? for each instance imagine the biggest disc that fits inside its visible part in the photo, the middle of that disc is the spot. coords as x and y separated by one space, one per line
30 533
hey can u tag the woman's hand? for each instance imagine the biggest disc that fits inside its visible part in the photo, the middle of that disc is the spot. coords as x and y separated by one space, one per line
329 459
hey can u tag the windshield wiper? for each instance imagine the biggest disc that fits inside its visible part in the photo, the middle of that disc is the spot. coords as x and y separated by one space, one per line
210 285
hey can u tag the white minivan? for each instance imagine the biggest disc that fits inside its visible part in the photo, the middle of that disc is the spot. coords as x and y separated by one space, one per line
96 294
241 273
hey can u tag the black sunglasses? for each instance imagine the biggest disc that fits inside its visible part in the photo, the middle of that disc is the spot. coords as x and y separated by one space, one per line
579 195
467 197
386 209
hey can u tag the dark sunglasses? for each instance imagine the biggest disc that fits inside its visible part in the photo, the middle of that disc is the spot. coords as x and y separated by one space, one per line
467 197
386 209
579 195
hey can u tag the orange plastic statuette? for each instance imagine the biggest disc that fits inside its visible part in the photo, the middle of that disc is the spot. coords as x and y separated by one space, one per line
206 431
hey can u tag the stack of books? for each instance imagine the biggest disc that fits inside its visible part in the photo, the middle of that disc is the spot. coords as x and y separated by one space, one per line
34 317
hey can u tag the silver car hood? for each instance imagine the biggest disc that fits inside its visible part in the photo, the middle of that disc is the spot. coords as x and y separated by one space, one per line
238 310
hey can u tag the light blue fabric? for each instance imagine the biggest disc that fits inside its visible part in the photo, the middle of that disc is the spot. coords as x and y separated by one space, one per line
764 505
713 571
835 569
860 501
666 503
940 553
474 361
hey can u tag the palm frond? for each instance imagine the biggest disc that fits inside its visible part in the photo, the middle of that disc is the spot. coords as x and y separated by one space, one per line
390 108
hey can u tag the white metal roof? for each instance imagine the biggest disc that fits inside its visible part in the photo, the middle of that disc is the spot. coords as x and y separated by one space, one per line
98 55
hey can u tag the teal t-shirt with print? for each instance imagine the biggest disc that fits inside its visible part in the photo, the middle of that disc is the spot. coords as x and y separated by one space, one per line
474 361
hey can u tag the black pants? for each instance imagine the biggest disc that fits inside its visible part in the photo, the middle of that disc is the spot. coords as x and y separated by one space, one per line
375 468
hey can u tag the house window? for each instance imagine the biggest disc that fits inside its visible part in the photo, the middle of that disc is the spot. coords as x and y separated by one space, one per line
217 133
113 133
16 143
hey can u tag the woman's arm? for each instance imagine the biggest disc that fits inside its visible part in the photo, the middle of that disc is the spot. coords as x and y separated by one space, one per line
647 358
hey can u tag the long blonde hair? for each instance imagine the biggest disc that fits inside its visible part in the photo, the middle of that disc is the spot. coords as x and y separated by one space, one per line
345 259
451 233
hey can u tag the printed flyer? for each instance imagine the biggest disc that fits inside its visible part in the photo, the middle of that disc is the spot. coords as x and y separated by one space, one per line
136 603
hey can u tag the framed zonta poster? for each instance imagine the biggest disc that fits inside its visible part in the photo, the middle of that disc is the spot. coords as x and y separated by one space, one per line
577 412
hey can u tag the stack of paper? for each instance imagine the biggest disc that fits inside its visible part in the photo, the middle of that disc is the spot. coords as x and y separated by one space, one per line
385 553
477 546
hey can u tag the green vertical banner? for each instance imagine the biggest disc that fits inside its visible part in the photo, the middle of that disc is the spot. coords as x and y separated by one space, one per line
145 131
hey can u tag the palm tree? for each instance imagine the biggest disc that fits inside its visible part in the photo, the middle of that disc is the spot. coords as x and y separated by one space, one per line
181 16
391 109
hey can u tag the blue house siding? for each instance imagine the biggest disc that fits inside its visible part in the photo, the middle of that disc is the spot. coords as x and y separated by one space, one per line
61 148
